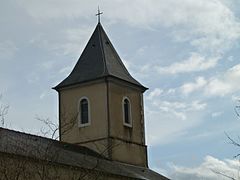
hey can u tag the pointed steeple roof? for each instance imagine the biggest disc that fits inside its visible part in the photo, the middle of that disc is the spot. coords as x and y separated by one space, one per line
99 59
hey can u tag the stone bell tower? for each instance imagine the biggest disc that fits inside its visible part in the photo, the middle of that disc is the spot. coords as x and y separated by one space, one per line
101 104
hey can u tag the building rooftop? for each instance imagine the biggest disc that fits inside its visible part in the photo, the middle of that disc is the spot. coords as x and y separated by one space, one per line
98 60
36 147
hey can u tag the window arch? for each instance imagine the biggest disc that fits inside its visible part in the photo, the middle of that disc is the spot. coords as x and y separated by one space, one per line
84 112
127 115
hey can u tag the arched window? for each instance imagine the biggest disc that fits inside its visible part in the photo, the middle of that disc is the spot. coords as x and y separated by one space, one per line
84 112
127 119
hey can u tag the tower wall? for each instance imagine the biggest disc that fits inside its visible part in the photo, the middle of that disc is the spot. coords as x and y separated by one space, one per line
128 142
106 133
69 103
130 153
116 95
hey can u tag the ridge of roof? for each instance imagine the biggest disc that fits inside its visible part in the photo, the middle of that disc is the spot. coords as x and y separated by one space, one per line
101 45
99 59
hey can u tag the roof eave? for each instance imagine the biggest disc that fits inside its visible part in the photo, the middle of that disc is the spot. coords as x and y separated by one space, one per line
58 87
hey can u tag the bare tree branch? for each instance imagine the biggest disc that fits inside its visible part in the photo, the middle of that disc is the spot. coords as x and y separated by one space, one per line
237 109
231 141
223 174
3 112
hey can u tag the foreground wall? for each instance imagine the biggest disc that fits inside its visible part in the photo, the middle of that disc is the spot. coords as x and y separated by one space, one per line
22 168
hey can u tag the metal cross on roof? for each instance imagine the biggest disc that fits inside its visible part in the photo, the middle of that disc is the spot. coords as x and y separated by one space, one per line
99 14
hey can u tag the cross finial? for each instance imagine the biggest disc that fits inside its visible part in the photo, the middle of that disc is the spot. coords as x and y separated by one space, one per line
99 14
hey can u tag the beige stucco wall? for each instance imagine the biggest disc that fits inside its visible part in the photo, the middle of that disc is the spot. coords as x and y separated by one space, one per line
132 153
69 99
100 146
101 136
129 153
117 93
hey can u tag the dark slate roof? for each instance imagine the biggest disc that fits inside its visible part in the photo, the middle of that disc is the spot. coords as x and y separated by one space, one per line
36 147
99 59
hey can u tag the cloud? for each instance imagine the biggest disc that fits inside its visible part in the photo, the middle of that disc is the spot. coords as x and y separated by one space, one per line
160 128
66 42
155 93
206 24
209 25
221 85
169 107
75 39
235 98
226 84
199 83
216 114
210 169
176 106
218 87
54 9
195 63
168 114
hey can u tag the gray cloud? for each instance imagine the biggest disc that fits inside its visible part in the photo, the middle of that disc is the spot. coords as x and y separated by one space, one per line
204 23
225 84
194 63
210 169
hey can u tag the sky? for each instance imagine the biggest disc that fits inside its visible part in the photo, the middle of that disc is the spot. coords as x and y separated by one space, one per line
186 52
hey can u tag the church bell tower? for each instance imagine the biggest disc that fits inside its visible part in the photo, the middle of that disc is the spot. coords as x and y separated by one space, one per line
101 104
